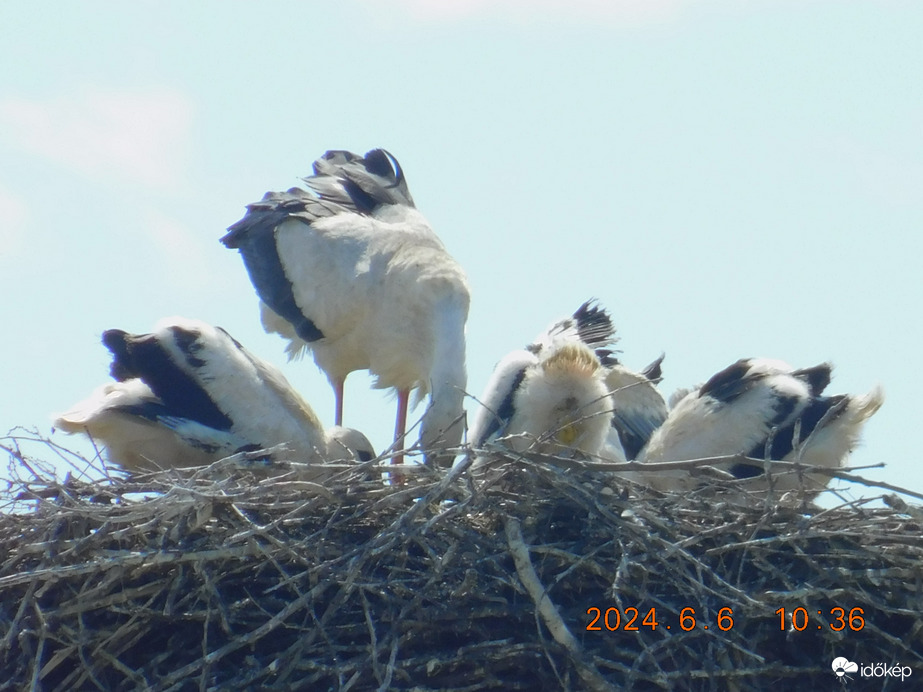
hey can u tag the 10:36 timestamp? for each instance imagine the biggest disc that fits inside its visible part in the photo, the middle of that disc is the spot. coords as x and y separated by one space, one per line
839 620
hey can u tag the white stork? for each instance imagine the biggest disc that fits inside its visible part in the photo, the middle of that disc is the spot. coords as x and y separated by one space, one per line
638 406
762 409
352 271
551 397
189 394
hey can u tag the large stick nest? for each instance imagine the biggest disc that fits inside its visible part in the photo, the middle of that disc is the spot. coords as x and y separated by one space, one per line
226 579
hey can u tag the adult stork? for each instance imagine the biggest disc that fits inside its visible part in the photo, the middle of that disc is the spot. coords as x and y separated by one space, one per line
551 396
766 410
352 271
189 394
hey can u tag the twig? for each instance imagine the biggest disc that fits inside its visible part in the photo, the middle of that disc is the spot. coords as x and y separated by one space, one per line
546 609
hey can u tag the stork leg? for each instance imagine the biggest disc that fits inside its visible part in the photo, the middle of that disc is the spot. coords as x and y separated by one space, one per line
338 393
400 426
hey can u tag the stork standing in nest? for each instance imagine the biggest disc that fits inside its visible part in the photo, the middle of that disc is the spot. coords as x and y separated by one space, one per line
762 409
189 394
352 271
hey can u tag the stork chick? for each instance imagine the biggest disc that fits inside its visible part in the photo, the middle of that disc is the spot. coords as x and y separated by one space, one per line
551 396
638 406
762 409
189 394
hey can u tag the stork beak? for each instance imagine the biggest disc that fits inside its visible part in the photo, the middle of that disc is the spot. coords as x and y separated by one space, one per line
567 435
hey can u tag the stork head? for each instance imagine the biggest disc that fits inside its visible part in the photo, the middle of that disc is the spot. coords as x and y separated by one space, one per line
348 444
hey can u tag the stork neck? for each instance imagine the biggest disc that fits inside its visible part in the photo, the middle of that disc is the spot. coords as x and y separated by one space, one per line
443 420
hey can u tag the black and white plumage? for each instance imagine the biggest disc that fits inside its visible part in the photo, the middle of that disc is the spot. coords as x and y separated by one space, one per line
551 396
735 410
352 271
189 394
638 406
762 409
590 324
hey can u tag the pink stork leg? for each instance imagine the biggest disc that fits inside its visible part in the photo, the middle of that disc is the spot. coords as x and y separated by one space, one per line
400 426
338 393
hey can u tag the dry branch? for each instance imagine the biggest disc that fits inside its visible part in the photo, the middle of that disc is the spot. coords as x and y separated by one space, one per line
227 579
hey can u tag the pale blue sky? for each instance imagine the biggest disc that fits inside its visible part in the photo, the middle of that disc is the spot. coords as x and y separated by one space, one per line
729 179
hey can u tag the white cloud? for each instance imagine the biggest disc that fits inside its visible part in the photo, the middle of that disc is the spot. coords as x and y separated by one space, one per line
607 12
524 10
13 216
139 136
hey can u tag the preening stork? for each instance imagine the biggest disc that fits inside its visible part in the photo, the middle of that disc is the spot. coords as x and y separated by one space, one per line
551 396
352 271
762 409
189 394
